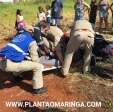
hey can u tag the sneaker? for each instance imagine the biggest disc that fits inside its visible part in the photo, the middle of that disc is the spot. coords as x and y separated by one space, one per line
40 91
63 75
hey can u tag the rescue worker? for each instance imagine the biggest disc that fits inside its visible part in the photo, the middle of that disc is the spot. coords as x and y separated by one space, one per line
49 36
61 47
39 34
54 35
82 32
57 33
13 59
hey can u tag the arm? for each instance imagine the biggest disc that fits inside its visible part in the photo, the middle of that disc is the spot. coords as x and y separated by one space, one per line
33 51
98 6
111 7
108 5
61 13
86 7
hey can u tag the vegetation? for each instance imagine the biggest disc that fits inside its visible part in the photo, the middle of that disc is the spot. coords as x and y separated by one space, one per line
97 86
7 11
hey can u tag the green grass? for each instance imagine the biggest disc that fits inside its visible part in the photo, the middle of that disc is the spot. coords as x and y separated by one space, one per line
7 11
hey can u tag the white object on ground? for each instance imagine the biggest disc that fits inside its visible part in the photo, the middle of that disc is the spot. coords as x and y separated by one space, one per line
49 64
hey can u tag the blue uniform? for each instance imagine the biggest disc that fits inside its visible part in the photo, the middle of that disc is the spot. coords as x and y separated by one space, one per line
17 49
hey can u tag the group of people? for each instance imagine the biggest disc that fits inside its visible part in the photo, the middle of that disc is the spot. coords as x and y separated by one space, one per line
52 14
30 42
23 51
102 6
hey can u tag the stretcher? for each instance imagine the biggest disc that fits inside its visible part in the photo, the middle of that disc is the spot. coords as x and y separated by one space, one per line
49 64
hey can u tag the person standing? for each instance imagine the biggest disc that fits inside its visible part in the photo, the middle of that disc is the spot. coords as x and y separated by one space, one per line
93 12
41 14
19 23
81 32
48 14
56 12
103 12
79 9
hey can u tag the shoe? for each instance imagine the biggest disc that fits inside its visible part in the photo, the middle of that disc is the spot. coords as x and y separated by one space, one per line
86 72
40 91
62 74
18 78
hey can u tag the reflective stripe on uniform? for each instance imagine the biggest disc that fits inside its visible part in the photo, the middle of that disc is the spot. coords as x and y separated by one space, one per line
16 48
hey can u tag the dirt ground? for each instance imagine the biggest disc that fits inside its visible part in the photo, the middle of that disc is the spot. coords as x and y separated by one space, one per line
73 88
97 86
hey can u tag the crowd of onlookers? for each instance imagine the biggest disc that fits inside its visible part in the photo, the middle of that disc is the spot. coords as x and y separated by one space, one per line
53 13
103 7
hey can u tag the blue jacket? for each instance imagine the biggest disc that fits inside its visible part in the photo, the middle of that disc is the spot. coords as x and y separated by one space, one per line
17 49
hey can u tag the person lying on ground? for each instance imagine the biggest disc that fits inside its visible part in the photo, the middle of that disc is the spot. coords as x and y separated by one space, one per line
13 57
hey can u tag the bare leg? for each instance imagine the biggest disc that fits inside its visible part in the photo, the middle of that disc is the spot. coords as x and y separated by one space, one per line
106 22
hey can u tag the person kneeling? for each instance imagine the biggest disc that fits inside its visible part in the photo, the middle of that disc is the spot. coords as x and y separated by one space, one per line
13 55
